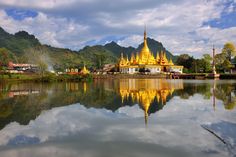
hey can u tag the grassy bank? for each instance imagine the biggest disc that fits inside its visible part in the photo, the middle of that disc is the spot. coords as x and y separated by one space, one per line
49 77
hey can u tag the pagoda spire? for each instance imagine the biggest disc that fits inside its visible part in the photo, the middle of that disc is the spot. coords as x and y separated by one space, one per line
145 33
213 56
121 55
145 37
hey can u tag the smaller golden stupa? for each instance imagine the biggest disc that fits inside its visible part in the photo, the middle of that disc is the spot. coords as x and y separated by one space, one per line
84 71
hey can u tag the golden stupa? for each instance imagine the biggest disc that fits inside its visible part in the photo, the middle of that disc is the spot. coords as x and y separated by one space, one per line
146 60
84 71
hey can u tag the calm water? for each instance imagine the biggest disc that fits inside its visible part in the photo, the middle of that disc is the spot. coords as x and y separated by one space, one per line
129 117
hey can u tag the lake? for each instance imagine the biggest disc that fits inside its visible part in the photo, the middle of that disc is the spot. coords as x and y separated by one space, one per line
125 117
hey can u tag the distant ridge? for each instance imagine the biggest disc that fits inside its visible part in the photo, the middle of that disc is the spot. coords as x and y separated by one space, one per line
93 56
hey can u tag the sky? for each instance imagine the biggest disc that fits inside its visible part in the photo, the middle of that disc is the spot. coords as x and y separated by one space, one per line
182 26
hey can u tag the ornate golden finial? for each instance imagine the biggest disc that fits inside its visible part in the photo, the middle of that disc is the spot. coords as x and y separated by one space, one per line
145 33
164 54
137 58
132 58
160 54
171 62
121 55
157 56
145 38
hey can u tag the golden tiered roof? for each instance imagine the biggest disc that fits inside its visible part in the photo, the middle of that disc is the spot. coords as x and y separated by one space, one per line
145 57
84 71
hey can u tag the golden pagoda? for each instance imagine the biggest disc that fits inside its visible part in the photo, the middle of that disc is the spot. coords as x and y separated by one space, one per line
146 60
84 71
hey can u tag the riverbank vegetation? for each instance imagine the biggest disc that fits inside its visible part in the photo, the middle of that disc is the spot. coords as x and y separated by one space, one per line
47 77
225 61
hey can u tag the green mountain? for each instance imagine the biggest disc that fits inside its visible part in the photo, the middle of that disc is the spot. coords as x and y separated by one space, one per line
153 45
24 47
18 42
97 56
117 49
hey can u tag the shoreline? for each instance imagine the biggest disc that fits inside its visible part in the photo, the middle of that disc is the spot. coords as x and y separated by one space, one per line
91 77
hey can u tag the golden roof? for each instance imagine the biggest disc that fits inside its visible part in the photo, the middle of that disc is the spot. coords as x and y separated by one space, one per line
145 50
146 57
84 70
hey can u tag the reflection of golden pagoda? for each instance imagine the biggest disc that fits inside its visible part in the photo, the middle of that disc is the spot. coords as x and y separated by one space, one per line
145 91
146 60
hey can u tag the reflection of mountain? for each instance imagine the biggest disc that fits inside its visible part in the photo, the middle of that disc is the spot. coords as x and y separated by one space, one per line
146 92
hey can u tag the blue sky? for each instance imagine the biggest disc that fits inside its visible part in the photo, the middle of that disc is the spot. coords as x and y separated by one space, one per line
20 14
182 26
227 18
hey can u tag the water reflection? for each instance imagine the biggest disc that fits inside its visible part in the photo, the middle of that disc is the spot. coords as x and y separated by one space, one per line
108 115
148 92
22 102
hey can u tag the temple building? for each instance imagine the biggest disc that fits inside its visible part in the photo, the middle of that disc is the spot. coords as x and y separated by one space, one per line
145 61
75 71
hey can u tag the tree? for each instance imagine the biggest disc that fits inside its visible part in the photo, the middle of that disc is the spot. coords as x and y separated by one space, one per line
219 60
207 59
39 56
227 65
187 61
42 67
229 49
6 56
100 59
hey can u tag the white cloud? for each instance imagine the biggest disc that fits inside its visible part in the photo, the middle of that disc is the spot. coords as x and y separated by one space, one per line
38 4
78 127
133 40
60 32
178 24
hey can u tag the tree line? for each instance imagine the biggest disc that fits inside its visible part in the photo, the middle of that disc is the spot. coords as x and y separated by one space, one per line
224 61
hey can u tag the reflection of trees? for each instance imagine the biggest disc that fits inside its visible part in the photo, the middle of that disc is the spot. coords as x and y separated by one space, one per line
24 108
190 89
104 94
226 93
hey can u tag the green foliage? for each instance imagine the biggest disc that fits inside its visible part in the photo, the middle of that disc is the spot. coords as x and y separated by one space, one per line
227 65
96 56
229 49
186 61
6 56
18 42
205 63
